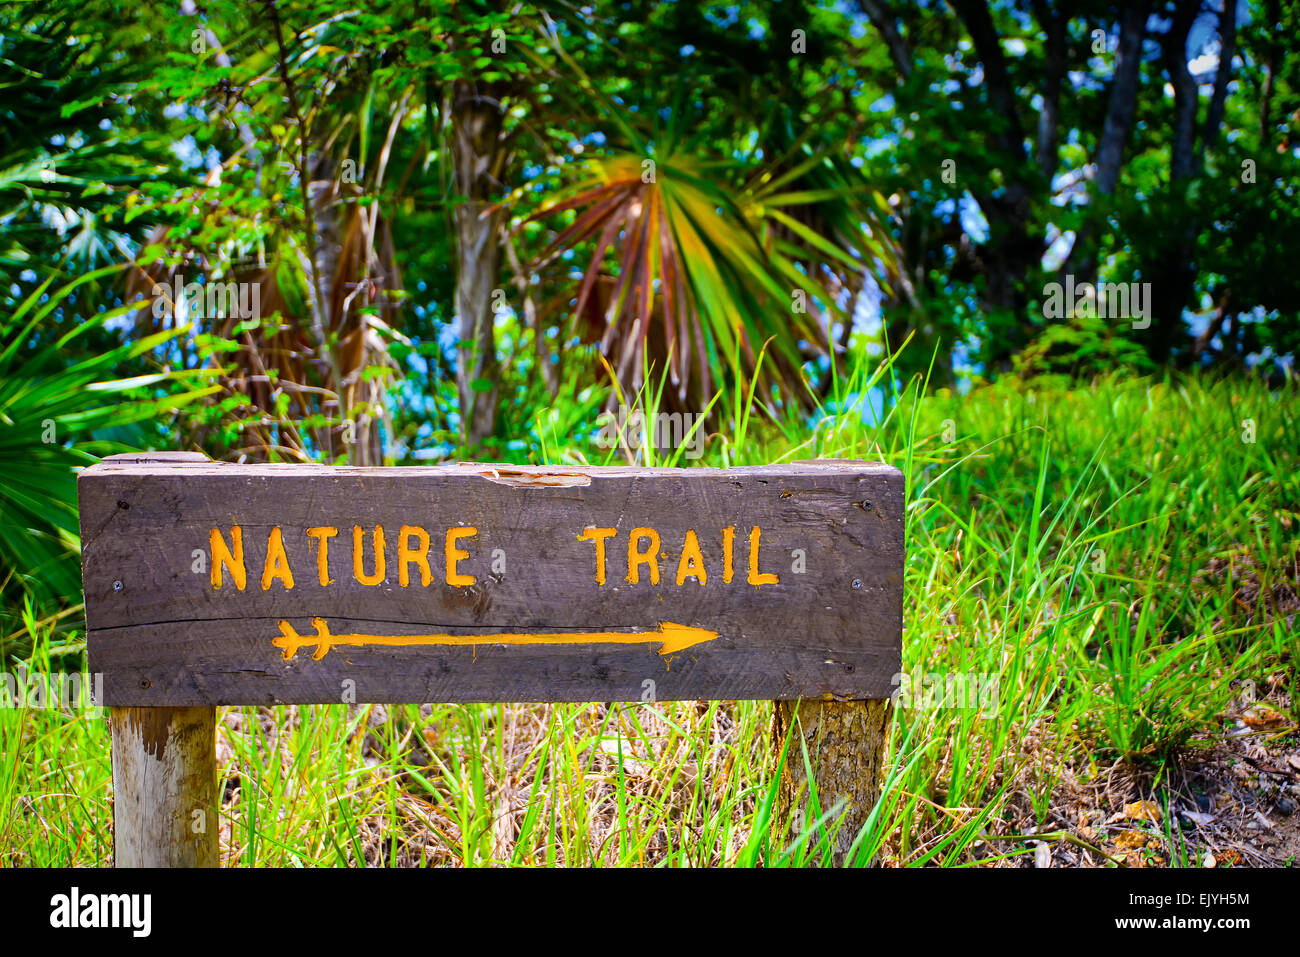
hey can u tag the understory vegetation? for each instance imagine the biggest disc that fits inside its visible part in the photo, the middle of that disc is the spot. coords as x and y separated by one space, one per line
1111 569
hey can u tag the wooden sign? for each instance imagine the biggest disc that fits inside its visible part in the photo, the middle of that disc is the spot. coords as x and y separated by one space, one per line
213 584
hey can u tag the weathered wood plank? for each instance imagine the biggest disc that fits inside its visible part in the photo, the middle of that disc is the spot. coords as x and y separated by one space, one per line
504 563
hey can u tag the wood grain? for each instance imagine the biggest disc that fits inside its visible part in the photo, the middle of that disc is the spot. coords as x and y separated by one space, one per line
164 787
844 744
162 635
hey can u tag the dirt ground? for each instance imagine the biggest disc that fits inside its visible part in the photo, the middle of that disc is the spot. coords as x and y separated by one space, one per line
1228 799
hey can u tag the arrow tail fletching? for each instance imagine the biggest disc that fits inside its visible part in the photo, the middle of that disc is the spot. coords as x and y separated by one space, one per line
289 641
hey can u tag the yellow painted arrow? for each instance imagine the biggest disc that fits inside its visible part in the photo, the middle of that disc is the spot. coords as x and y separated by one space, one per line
670 636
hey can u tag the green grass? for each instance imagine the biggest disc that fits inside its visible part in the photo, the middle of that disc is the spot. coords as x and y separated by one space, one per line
1113 554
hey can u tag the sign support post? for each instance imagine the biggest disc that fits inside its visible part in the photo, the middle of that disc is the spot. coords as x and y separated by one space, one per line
164 767
846 742
164 787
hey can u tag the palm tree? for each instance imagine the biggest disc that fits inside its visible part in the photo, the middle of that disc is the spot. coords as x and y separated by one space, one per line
51 407
696 263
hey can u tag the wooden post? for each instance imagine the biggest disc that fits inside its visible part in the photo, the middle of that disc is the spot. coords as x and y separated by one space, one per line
164 763
846 748
164 787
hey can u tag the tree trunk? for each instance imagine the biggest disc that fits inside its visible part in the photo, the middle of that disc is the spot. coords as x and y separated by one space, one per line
1174 277
1123 98
846 749
887 25
1049 119
480 157
1227 49
1011 251
1120 110
1272 14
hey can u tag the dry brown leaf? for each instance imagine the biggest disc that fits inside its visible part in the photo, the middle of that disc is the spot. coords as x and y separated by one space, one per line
1263 718
1131 839
1142 811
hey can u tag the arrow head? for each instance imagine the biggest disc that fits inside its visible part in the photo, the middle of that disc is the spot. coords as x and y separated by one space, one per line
678 637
